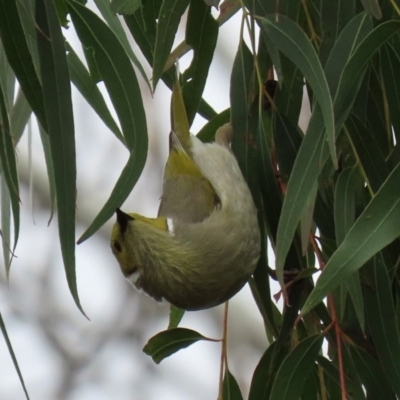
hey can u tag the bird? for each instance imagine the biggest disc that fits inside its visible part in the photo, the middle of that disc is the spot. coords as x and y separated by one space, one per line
205 243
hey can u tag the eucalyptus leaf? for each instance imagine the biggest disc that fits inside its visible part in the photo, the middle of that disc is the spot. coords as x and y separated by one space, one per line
375 228
170 15
292 41
295 368
170 341
60 127
18 55
122 85
231 390
12 354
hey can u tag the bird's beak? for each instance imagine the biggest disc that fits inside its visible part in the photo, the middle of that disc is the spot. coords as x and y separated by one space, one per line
123 219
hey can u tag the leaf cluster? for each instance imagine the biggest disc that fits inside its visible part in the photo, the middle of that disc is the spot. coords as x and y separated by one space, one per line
328 197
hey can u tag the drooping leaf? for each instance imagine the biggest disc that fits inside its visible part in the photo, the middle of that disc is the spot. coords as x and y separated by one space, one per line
314 151
118 75
81 78
231 390
207 132
293 42
115 24
261 382
50 170
371 374
20 58
5 223
375 228
170 341
12 354
372 8
19 116
9 168
295 369
244 137
168 20
201 35
380 314
60 127
391 79
120 79
125 6
372 160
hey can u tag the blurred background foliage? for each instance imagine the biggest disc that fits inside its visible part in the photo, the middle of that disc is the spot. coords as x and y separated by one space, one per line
328 194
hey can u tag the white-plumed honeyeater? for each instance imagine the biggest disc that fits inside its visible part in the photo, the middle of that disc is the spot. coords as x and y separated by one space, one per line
205 243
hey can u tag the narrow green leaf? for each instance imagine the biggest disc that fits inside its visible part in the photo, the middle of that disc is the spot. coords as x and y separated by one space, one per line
118 74
353 73
391 78
376 227
288 98
334 17
115 24
371 374
381 314
81 78
314 152
62 11
372 160
142 25
170 341
122 85
201 35
295 369
175 316
5 223
168 20
125 6
9 167
293 42
372 8
268 186
307 219
26 10
60 123
7 79
20 113
50 169
18 55
332 376
345 192
12 354
261 381
287 139
207 132
240 106
231 389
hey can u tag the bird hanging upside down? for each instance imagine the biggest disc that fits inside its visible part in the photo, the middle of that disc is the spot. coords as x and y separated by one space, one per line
205 243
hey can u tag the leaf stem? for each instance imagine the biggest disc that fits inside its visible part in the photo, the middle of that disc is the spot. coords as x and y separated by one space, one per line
224 352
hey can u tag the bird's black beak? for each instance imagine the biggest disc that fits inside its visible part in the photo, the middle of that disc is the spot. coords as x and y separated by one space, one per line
123 219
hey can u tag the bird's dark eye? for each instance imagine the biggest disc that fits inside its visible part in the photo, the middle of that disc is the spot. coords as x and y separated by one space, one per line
117 246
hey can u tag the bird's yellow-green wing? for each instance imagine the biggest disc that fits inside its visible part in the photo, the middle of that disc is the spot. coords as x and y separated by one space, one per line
187 194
